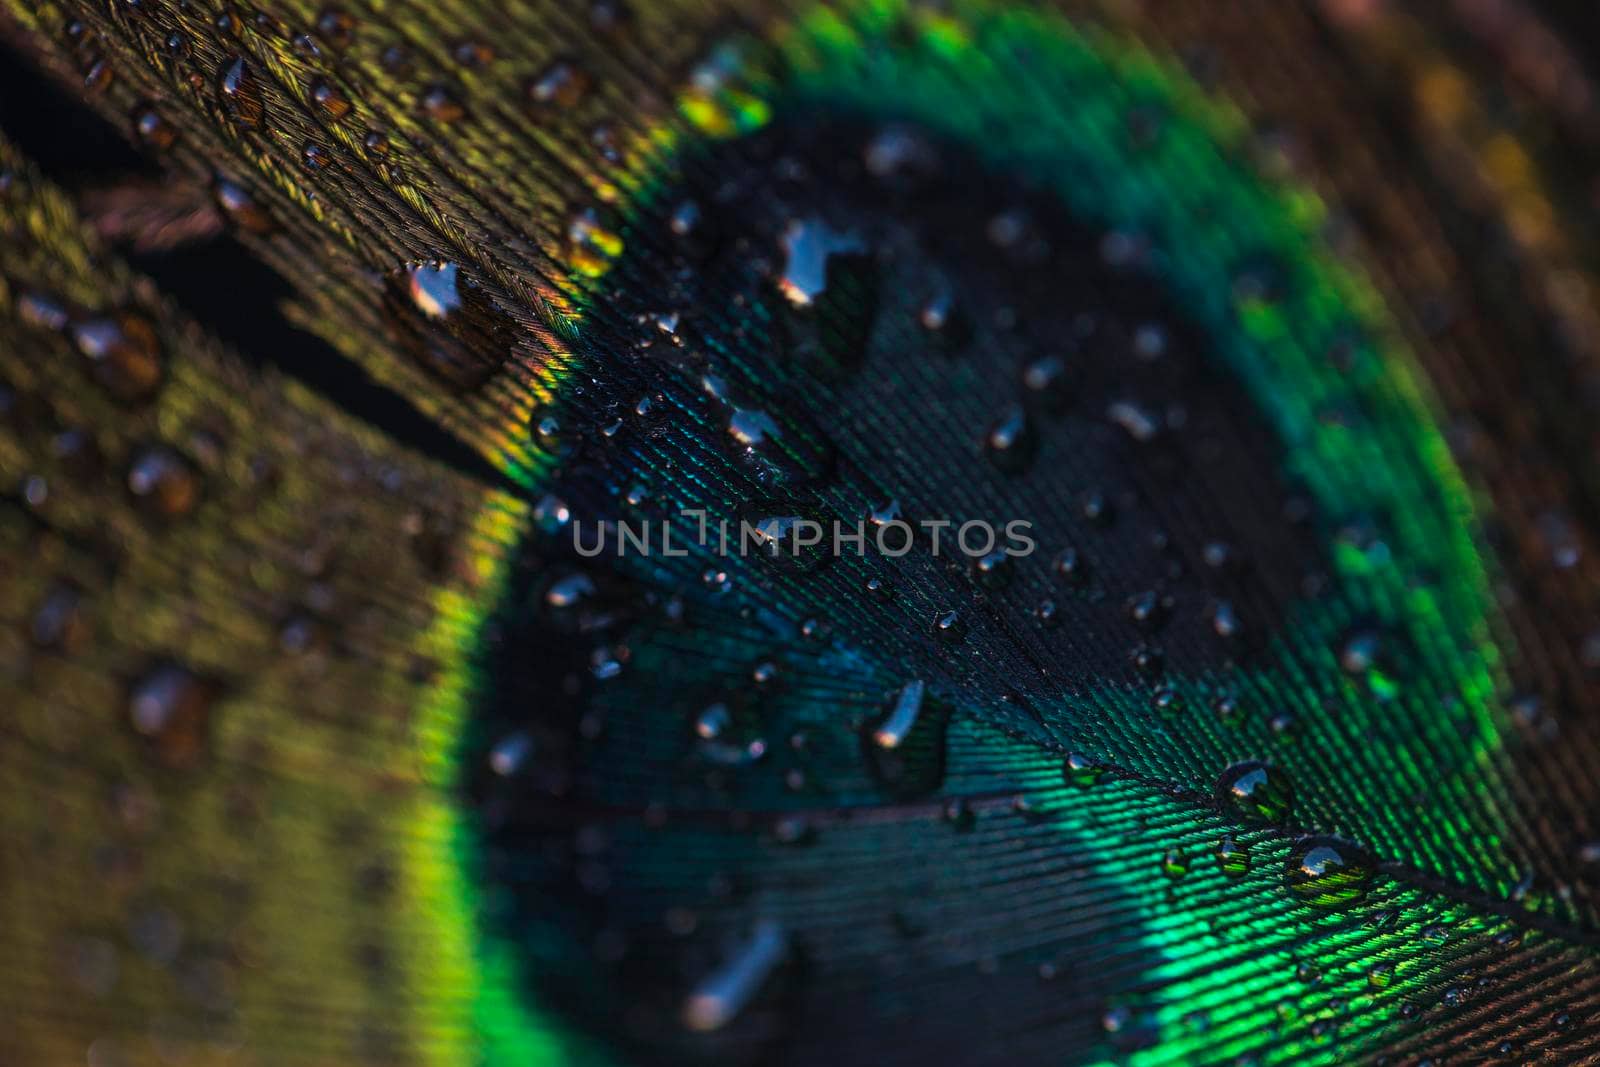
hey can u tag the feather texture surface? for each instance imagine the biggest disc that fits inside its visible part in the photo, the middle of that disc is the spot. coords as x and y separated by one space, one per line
1208 390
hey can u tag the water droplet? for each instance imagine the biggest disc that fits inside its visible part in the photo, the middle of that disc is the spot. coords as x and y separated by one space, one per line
1233 857
903 718
992 570
152 129
1148 609
440 103
171 706
59 621
713 722
719 997
1379 975
1045 380
239 92
1010 443
336 27
447 324
376 142
809 247
1326 872
314 157
1134 419
330 98
949 626
1081 770
1256 792
98 74
241 209
1070 567
163 482
1224 620
591 244
1365 656
1175 863
1166 701
561 84
510 753
472 53
123 352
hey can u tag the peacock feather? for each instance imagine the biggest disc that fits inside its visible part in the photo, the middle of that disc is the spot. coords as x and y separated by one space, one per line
417 651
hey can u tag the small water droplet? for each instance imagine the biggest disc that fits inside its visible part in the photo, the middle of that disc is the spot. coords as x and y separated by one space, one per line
563 83
949 626
1010 442
59 621
171 706
1175 863
124 353
1256 792
314 157
719 997
441 104
1081 770
152 128
330 98
241 209
337 28
163 482
1233 857
98 74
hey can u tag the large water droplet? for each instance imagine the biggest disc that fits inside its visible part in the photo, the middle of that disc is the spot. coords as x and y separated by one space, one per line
448 324
239 92
1326 872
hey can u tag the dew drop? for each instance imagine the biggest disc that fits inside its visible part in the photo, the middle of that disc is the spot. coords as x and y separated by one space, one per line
163 483
1010 442
98 74
447 324
591 244
241 209
124 353
314 157
1175 863
441 104
1326 872
1256 792
59 621
329 98
152 129
1081 770
719 997
239 92
561 84
171 706
336 28
1233 857
949 626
